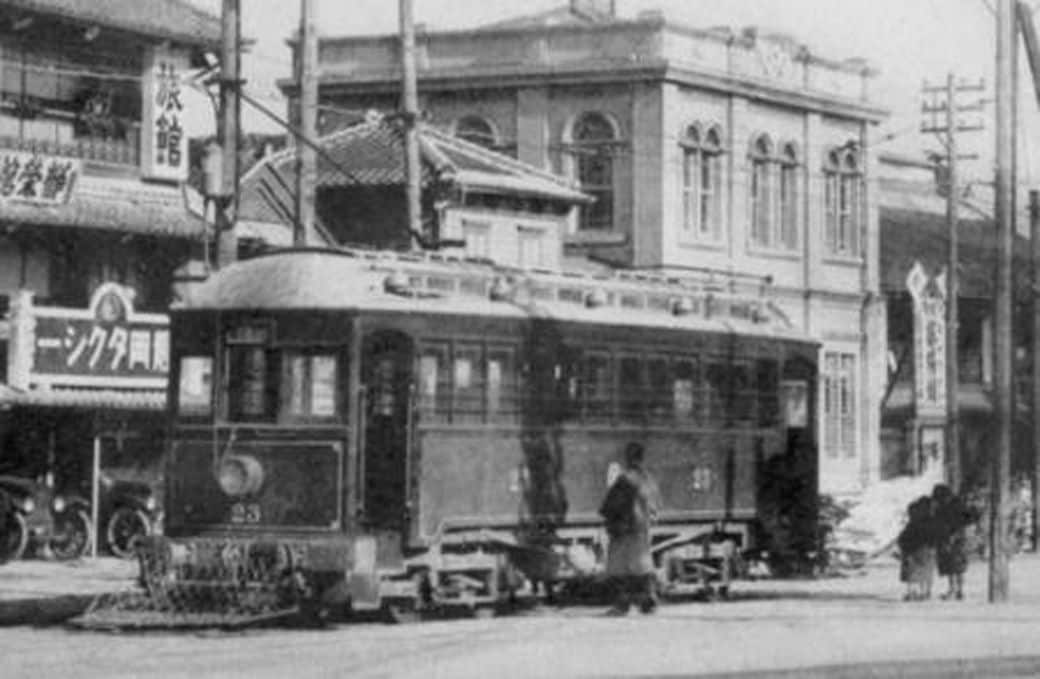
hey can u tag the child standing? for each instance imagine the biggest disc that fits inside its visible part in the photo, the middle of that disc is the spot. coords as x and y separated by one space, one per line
917 550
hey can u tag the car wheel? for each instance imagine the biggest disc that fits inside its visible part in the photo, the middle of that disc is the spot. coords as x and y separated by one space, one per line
71 534
125 527
14 537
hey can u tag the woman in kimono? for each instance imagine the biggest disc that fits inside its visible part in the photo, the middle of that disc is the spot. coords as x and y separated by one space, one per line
628 510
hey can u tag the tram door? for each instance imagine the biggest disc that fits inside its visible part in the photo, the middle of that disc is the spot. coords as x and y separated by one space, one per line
387 374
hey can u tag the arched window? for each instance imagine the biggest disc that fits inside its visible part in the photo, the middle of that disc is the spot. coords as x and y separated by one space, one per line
701 188
788 196
761 192
476 130
843 196
774 194
593 141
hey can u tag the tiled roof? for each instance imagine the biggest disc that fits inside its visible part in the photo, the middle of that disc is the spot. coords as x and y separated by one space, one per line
99 399
372 154
115 204
176 20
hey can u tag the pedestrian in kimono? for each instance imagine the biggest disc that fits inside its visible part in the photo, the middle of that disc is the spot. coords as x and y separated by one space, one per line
628 510
917 550
952 517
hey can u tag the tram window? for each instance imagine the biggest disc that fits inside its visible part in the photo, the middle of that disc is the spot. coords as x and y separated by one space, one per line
434 382
468 380
683 395
597 385
631 400
252 383
308 385
743 393
195 389
716 386
768 383
502 392
659 398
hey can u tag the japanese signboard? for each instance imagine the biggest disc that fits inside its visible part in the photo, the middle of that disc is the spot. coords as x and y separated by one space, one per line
107 345
164 145
35 178
929 343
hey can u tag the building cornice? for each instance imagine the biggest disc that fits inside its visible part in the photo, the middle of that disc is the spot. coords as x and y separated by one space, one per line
500 76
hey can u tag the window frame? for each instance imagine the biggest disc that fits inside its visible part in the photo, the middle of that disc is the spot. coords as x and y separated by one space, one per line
309 354
774 192
844 193
701 184
839 410
592 153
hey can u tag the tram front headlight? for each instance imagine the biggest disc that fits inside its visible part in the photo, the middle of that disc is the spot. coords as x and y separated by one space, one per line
240 475
58 504
28 505
150 504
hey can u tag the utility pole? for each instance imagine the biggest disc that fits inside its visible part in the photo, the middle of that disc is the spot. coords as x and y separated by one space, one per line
1005 218
410 115
306 158
1032 45
227 132
948 131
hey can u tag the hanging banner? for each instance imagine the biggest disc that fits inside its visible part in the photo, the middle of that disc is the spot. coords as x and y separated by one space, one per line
106 345
929 343
164 145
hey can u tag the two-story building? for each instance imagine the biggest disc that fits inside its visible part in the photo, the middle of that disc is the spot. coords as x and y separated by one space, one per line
743 152
95 219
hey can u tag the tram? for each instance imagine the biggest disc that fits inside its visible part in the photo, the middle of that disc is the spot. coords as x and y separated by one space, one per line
411 430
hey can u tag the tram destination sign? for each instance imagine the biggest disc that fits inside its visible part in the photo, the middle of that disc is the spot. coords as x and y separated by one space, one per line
106 345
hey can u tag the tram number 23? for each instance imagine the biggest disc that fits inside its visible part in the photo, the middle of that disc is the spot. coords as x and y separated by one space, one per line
242 512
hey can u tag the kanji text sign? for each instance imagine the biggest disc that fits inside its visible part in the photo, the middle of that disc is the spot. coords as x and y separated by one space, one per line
35 178
164 144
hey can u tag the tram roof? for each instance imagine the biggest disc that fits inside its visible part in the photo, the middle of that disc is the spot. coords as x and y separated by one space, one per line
370 281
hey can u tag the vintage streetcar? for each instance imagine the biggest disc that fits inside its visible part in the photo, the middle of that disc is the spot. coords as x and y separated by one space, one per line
396 431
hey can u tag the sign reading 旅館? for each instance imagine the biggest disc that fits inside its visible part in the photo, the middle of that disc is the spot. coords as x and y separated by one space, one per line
106 345
164 143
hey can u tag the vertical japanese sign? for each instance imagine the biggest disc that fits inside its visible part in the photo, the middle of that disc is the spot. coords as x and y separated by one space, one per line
929 343
164 145
107 345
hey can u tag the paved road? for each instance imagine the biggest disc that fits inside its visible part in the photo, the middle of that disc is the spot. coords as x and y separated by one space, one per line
843 627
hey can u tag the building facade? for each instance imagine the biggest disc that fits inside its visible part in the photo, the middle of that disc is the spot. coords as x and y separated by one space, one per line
704 149
95 221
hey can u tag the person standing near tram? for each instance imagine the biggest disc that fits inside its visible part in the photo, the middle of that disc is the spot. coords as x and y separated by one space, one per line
628 510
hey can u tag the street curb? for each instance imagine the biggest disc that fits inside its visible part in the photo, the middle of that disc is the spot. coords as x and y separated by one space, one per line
46 610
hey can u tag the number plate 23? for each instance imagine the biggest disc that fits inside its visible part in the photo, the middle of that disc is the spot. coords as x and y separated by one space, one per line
242 512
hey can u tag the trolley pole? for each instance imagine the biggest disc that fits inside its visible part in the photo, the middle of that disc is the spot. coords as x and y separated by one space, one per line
306 158
410 115
227 132
1004 211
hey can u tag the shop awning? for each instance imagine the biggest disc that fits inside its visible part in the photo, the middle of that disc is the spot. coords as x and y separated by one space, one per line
126 205
96 399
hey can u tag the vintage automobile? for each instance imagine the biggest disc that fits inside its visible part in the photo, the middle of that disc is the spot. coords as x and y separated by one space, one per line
38 520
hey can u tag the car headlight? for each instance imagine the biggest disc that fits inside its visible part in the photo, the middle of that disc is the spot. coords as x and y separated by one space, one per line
28 505
150 504
240 475
58 504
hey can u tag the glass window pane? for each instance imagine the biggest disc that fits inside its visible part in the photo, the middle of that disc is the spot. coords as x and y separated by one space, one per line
683 390
195 392
468 382
323 376
597 386
502 392
630 395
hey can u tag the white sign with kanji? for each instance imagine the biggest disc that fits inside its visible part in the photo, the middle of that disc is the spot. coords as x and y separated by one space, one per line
164 144
36 178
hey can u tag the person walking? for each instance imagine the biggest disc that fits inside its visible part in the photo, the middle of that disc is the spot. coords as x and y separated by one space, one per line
629 509
952 517
917 543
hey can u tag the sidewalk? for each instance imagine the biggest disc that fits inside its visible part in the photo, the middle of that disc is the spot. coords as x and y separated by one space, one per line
37 592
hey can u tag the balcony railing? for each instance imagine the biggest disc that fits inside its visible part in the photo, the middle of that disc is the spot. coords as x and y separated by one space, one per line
111 151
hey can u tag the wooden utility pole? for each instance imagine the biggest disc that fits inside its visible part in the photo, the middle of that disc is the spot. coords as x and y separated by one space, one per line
1000 462
1032 46
227 132
948 131
306 158
410 115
